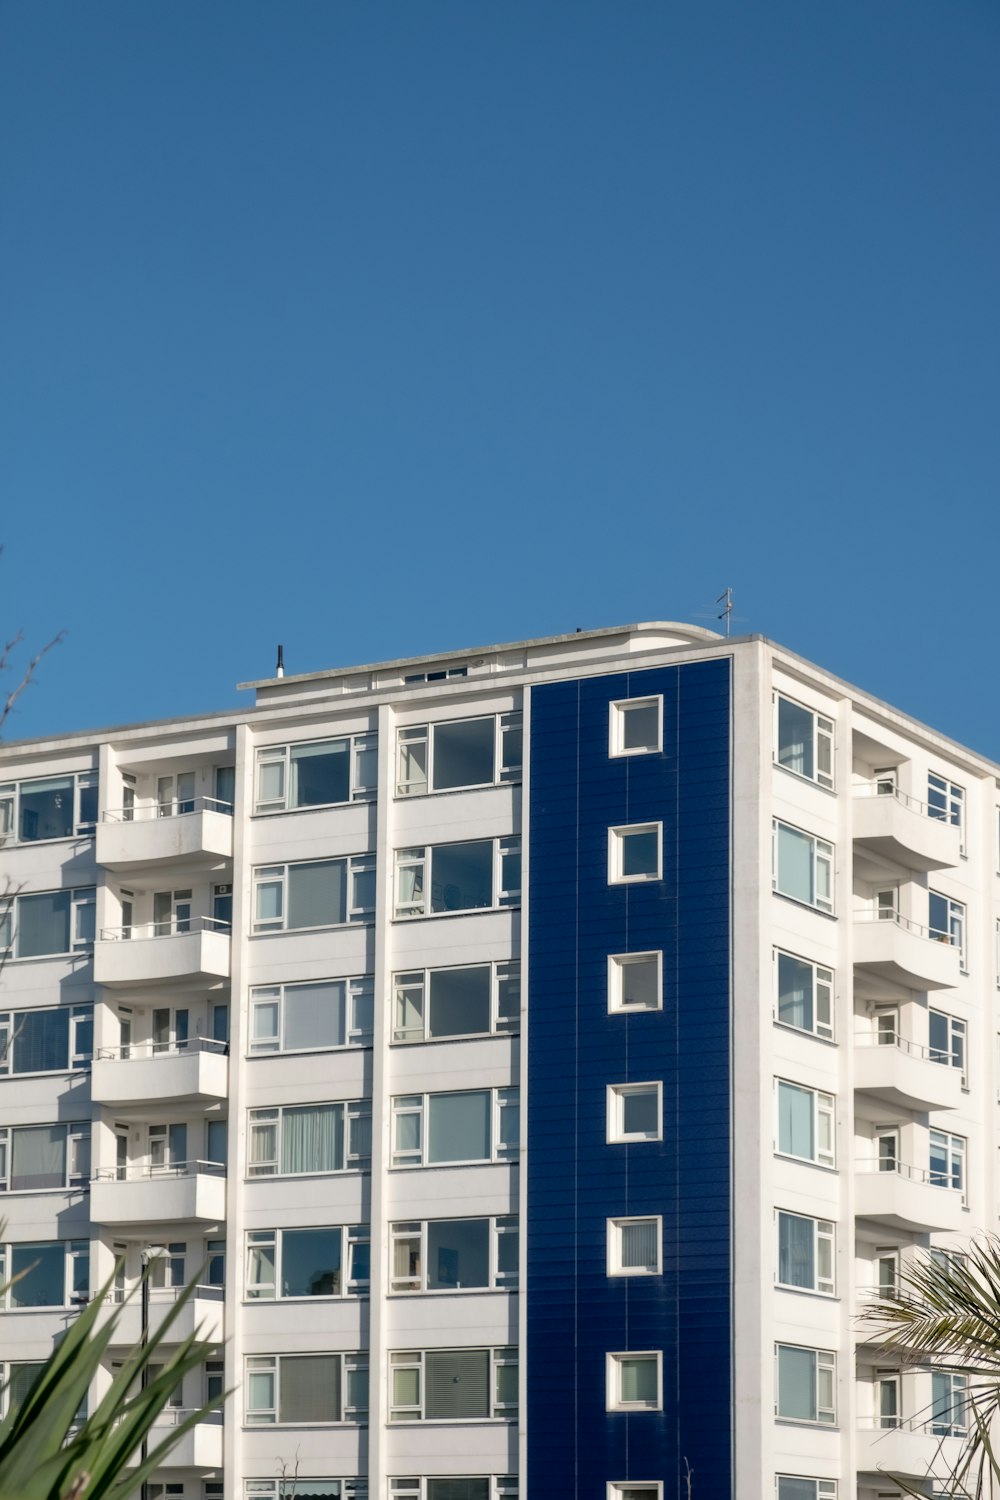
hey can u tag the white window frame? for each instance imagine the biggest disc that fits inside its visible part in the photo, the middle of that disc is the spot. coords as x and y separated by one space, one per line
266 1117
258 1364
614 1234
352 1236
10 808
617 714
277 1489
415 1360
946 803
73 1250
357 865
824 1107
363 743
617 963
824 1231
956 933
619 1487
77 1058
825 1359
409 1157
418 981
76 1134
823 734
359 997
421 857
502 1486
507 753
402 1231
613 1398
83 899
616 1095
823 856
957 1149
826 1489
823 979
617 838
957 1028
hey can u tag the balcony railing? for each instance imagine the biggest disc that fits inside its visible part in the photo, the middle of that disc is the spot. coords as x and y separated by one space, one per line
146 1172
167 1294
932 1426
172 927
883 789
907 924
176 808
135 1051
933 1177
904 1045
173 1416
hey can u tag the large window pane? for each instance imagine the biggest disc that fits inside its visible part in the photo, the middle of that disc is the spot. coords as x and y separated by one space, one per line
796 1489
458 1254
795 864
43 924
310 1262
41 1042
310 1388
320 774
41 1269
38 1158
460 1001
797 1383
314 1016
457 1384
312 1138
638 1380
458 1489
22 1378
796 1251
464 754
796 1135
47 808
795 738
462 876
317 894
459 1127
795 992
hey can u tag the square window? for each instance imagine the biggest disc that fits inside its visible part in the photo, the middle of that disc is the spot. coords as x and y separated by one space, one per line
635 1381
635 981
634 1246
635 852
629 1489
636 726
635 1111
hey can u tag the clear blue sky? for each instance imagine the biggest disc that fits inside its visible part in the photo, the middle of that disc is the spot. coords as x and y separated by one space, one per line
387 326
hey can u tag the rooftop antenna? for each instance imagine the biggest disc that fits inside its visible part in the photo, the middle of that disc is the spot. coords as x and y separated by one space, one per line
279 670
727 613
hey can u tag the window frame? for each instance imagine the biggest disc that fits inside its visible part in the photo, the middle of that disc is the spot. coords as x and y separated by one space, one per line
956 1148
827 1110
823 856
403 1230
421 857
352 1236
823 977
617 1488
617 1093
826 1489
358 988
824 1359
355 866
823 732
77 1058
957 919
75 1133
82 932
275 1489
353 1111
613 1372
946 804
360 743
409 981
507 769
617 964
617 837
824 1231
10 808
73 1252
614 1245
500 1357
407 1158
618 711
958 1030
351 1362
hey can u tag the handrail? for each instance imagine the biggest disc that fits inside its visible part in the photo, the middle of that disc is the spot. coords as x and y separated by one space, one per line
148 1173
903 1044
176 807
173 1416
172 927
882 789
136 1050
870 1164
886 914
934 1426
202 1291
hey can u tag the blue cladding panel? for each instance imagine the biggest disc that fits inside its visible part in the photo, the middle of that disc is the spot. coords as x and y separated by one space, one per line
576 1181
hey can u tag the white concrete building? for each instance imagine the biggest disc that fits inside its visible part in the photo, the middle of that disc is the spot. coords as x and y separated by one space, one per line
540 1053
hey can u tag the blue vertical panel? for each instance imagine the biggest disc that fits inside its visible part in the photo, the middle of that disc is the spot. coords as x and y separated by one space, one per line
576 1314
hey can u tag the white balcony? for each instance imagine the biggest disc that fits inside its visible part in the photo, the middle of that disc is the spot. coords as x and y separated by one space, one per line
911 1451
907 1200
198 1448
904 952
194 950
203 834
904 1075
903 830
189 1192
202 1314
197 1070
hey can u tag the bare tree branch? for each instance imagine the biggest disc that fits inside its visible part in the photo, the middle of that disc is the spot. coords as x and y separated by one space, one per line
7 652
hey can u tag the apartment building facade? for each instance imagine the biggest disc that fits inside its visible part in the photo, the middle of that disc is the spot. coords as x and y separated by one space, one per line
539 1054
